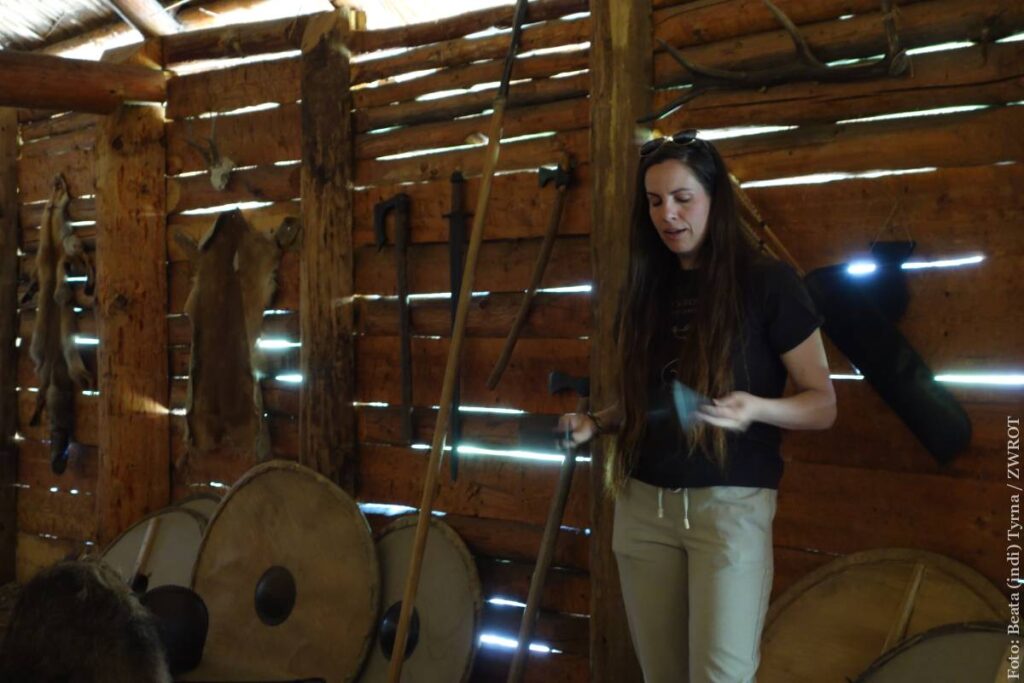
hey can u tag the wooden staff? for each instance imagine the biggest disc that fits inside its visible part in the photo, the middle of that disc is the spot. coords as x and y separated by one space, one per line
775 245
454 353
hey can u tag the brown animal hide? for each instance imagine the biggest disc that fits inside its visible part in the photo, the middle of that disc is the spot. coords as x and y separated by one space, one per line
234 280
58 364
77 621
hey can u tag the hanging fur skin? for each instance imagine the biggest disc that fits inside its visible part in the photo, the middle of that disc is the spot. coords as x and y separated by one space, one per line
58 364
234 280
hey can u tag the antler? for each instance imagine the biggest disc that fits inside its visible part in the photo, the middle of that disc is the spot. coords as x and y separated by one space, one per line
807 67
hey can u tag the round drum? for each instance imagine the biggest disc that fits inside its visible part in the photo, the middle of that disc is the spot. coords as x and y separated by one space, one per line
203 503
175 537
443 635
846 611
956 653
289 574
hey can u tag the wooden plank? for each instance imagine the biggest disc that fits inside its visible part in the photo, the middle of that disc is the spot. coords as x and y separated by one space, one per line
488 486
460 25
685 24
503 266
261 184
34 467
564 590
567 633
919 24
841 509
463 51
792 564
515 156
532 92
569 114
519 208
621 92
968 139
469 75
56 145
380 425
253 139
236 40
326 280
8 331
524 385
492 663
826 223
32 79
868 434
59 514
57 125
36 553
559 316
220 90
132 288
35 176
985 74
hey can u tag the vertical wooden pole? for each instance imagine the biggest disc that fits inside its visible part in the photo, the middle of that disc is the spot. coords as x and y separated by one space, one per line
326 415
621 77
8 332
131 309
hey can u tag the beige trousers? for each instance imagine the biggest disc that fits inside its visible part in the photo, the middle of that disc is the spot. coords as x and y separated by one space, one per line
696 572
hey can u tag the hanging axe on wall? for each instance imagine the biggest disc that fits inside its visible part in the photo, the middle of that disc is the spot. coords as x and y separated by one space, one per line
400 205
497 123
562 176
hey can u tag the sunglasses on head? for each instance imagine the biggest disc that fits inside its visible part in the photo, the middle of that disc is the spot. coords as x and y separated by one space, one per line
684 137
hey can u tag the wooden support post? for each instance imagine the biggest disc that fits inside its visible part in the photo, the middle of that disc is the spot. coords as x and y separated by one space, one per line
33 80
8 332
131 275
621 73
326 416
148 17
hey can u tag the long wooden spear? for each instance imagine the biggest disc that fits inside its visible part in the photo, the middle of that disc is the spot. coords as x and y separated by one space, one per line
455 352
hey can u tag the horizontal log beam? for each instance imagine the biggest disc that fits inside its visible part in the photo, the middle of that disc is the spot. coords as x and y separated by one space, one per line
148 17
37 80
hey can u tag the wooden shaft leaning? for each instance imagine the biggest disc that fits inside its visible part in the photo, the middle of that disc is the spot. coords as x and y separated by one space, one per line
531 292
547 551
451 369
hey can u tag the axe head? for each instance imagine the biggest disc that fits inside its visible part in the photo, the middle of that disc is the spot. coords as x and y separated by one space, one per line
559 382
560 175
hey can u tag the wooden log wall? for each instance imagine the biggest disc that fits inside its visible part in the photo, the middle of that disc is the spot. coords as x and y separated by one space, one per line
417 117
867 482
56 514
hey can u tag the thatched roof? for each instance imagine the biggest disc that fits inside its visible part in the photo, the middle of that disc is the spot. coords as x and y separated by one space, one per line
39 24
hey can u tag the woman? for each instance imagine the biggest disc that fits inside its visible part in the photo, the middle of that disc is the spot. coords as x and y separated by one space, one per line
694 506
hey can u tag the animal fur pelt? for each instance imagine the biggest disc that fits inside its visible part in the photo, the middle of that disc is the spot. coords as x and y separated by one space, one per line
57 361
234 280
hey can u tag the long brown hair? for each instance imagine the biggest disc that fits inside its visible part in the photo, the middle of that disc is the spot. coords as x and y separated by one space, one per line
706 355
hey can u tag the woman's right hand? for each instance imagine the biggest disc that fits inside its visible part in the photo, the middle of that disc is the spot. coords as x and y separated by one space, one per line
580 426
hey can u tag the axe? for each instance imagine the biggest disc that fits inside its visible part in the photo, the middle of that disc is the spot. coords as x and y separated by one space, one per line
400 204
562 177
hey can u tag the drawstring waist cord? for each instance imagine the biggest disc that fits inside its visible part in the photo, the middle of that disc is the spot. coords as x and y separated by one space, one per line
686 505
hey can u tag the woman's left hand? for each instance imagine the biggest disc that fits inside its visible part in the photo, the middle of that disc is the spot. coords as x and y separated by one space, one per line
734 412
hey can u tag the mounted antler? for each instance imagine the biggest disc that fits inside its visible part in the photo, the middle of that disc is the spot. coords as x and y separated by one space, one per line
807 67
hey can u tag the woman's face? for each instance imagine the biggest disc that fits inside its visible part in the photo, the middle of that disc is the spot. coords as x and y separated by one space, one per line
679 208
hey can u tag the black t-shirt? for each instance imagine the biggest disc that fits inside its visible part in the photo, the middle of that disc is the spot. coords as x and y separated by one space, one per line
779 315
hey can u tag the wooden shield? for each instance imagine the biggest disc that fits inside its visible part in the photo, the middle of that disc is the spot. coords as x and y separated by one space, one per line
203 503
176 535
448 606
289 573
834 622
956 653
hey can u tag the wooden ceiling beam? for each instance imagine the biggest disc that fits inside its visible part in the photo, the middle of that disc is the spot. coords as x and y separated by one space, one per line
41 81
147 16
